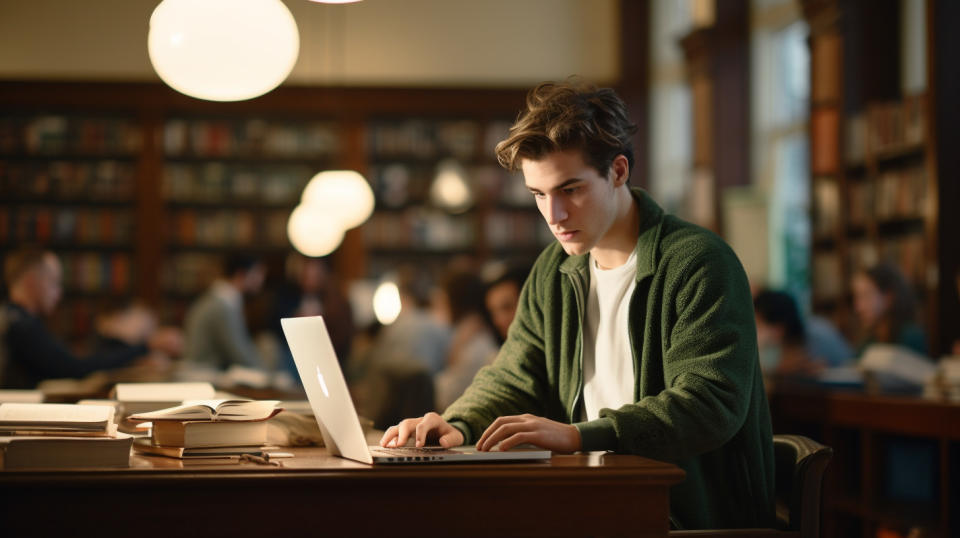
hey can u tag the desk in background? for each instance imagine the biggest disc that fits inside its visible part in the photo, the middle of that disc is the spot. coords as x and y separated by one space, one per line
896 459
572 495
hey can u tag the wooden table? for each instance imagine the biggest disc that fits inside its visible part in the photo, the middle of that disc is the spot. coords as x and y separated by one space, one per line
593 494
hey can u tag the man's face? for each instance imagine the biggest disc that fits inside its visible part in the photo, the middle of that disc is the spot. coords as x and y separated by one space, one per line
47 284
577 202
502 304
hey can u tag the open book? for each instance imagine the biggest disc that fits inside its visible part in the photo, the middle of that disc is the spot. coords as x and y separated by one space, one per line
144 397
64 419
215 410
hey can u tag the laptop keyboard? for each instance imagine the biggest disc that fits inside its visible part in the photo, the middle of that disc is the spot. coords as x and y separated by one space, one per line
409 453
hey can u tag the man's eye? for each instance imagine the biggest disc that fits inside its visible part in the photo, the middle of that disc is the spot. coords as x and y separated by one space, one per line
537 195
570 190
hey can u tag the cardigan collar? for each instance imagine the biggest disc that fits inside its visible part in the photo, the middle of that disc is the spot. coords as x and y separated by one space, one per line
648 239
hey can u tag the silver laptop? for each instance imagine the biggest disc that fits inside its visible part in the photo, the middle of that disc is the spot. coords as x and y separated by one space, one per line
331 403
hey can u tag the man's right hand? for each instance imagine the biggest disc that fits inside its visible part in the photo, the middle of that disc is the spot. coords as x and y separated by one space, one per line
430 427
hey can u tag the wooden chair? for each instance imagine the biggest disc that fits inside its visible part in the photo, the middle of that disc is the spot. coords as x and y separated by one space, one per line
799 465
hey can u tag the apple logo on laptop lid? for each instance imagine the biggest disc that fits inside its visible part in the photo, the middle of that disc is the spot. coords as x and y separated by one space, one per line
323 384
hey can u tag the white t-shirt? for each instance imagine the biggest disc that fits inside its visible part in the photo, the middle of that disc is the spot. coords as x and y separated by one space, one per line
608 376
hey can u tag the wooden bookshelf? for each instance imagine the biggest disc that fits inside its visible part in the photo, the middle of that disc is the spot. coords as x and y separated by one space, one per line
146 189
874 187
68 180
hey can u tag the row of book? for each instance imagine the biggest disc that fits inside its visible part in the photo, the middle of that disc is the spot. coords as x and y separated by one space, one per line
251 138
189 273
108 180
887 127
420 228
897 194
229 227
95 272
66 225
217 182
895 125
400 184
512 229
57 133
425 139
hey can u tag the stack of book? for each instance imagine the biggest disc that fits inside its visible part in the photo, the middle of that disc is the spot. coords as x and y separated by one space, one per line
207 429
46 436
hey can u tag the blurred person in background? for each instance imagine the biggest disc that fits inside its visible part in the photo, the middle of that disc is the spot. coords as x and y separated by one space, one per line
30 352
789 345
502 297
311 290
472 344
886 307
216 329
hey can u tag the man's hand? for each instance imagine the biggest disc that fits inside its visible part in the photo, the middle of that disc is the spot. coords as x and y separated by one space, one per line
429 427
545 433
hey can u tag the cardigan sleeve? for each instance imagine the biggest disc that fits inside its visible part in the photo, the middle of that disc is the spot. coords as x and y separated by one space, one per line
516 382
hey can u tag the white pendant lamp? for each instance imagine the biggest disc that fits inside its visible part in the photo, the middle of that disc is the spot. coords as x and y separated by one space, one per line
223 50
314 233
344 194
386 303
450 189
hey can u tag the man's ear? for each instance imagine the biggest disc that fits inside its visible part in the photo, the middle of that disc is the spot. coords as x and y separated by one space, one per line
620 170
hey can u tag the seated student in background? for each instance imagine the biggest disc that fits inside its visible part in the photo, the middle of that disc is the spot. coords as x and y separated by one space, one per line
472 343
216 330
791 346
32 354
886 309
501 299
310 290
634 332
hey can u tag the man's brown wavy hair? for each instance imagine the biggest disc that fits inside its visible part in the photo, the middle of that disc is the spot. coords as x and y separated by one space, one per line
570 115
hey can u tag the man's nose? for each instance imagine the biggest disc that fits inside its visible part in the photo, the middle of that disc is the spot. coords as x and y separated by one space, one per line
556 210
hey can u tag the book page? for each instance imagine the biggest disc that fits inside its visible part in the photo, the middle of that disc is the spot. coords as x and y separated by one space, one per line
251 410
25 413
163 392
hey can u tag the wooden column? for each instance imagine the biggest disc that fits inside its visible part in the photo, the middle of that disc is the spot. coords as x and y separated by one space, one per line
718 62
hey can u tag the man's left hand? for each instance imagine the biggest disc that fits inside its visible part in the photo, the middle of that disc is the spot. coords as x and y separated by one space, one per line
518 429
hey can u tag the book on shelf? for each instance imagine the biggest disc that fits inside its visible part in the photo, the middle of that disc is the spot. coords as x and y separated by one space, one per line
146 446
825 124
62 419
827 75
62 452
145 397
213 410
193 434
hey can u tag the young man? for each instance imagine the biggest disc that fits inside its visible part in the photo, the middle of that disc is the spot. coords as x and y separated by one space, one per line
216 329
635 330
31 354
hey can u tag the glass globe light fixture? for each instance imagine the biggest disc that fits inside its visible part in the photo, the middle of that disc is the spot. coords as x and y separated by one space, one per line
314 232
450 189
223 50
342 193
386 303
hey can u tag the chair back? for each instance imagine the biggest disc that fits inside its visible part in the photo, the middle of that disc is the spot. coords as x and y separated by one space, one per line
800 463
